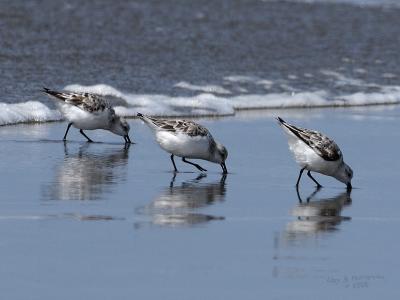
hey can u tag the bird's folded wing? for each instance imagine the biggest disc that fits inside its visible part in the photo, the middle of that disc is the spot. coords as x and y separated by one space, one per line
180 126
320 143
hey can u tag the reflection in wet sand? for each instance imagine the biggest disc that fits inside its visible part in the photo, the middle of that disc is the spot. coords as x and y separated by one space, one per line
317 216
315 220
73 216
177 204
88 174
81 217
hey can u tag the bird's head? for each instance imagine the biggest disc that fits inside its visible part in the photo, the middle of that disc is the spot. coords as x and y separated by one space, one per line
119 126
220 154
345 175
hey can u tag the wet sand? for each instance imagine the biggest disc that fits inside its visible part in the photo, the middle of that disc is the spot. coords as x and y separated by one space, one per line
99 221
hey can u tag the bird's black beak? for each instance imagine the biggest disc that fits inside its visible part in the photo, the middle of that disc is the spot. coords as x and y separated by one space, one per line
224 169
349 187
127 139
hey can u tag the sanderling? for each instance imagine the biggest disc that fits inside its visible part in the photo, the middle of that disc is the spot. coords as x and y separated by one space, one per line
187 139
315 152
88 112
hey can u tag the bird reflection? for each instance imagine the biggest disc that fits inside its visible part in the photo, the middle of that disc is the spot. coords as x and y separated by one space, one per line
315 216
177 205
87 175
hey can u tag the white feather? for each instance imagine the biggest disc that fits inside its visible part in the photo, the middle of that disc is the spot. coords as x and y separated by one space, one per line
184 145
85 120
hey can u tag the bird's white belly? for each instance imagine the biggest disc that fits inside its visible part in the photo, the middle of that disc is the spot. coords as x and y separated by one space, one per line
183 145
307 158
84 120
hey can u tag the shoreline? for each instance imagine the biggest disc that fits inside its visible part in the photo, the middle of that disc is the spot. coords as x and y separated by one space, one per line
238 112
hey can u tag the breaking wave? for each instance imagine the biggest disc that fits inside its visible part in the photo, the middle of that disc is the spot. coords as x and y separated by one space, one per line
211 100
26 112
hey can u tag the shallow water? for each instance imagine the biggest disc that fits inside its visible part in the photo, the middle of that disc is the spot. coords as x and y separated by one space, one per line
100 221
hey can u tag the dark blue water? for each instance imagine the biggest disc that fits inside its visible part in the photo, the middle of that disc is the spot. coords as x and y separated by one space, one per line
147 47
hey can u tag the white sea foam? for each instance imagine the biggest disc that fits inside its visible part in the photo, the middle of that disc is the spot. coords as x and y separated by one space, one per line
162 105
281 100
31 111
388 95
214 89
341 80
210 104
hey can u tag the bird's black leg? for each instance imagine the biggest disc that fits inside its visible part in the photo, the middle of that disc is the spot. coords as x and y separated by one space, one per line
127 139
298 179
298 195
173 162
313 179
349 187
222 181
65 135
193 164
224 169
89 140
127 146
171 184
65 149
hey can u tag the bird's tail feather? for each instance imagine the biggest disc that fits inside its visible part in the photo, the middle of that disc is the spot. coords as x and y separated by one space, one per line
288 128
149 121
280 120
53 93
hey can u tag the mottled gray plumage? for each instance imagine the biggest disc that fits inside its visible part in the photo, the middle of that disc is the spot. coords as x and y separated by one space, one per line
320 143
86 101
181 126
